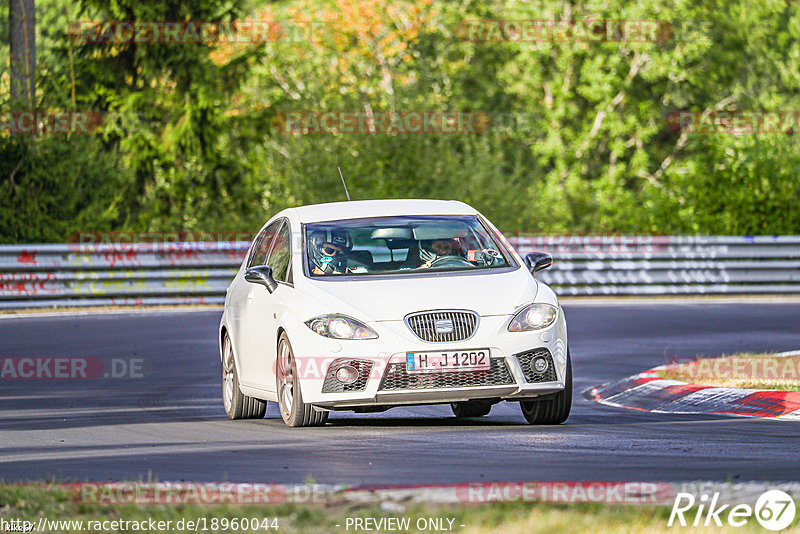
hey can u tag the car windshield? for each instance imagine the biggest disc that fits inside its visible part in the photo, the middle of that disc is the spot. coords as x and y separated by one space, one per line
402 245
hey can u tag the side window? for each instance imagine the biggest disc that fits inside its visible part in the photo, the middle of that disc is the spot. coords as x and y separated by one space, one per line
281 254
258 256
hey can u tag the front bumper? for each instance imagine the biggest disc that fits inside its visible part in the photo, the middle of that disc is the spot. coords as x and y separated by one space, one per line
386 383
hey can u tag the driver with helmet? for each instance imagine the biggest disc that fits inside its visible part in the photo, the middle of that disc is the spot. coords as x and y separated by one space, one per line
329 256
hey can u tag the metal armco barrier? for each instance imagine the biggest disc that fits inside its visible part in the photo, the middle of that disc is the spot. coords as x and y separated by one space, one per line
117 274
65 275
666 265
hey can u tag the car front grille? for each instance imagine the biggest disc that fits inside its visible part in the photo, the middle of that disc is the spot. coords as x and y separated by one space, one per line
526 360
332 385
432 326
397 377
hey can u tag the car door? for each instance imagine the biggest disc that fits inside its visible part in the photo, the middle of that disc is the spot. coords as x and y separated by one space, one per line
240 294
261 331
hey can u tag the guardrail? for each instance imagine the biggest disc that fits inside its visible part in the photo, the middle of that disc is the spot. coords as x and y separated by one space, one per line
117 274
665 265
63 275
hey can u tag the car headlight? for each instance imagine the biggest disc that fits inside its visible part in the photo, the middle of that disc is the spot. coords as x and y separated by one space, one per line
533 317
340 327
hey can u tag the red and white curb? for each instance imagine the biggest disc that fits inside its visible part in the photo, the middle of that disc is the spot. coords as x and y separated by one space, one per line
648 392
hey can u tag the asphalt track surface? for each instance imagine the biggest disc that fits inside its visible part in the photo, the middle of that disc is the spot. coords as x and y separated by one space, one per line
170 425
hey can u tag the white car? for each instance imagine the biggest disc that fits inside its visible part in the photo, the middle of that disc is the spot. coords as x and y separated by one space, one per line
371 304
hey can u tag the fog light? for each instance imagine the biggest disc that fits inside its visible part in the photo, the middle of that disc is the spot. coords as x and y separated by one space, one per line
347 374
539 365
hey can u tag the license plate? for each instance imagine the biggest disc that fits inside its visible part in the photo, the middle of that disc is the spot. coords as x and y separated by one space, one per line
446 361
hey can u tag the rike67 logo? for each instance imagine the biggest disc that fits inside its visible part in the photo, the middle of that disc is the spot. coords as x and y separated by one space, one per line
774 510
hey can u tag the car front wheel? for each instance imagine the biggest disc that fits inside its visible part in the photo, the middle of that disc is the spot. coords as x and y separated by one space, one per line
294 411
552 410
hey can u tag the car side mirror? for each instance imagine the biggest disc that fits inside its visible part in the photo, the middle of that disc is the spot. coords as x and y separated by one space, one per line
261 275
537 261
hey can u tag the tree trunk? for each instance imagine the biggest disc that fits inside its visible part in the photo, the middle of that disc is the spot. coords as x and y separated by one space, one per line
22 18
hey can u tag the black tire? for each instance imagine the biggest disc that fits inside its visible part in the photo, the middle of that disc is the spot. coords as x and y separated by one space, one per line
294 412
237 404
471 408
553 410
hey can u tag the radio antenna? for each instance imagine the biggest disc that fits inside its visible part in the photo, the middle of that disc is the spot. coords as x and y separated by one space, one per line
343 183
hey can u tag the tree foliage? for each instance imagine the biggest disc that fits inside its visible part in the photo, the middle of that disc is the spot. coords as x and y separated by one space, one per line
580 137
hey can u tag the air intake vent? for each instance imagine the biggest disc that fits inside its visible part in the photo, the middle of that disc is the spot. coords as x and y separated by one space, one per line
443 326
397 377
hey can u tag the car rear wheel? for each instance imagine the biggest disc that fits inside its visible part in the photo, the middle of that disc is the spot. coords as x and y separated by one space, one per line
471 408
294 411
553 410
237 405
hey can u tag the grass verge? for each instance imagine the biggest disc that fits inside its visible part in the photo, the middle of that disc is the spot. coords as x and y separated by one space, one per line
33 501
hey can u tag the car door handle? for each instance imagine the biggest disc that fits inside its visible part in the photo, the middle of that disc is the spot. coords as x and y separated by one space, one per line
250 295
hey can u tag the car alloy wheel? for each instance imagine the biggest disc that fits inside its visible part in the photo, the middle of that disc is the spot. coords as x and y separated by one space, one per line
286 373
227 375
294 411
237 405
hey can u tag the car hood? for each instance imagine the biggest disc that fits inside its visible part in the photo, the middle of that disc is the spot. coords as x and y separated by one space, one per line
391 299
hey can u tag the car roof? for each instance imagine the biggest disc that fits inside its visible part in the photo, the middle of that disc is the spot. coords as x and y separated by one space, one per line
380 208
